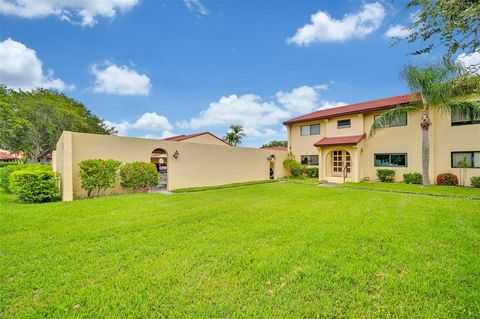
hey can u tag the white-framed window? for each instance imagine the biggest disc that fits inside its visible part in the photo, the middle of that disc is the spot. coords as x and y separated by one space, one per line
390 160
313 129
310 160
400 120
464 119
344 123
472 159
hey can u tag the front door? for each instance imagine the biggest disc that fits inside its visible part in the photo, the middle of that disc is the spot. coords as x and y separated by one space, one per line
341 160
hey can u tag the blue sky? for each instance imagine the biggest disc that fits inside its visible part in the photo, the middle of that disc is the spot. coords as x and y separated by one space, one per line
156 68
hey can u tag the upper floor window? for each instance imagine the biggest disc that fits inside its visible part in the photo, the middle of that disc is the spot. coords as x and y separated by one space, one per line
400 120
390 160
344 123
313 129
309 160
472 159
464 119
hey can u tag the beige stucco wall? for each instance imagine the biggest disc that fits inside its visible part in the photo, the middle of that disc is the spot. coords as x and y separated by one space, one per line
444 139
197 164
205 139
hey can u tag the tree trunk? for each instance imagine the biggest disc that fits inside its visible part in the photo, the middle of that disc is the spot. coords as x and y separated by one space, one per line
425 124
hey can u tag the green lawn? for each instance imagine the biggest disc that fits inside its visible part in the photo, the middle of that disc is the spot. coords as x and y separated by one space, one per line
275 250
434 189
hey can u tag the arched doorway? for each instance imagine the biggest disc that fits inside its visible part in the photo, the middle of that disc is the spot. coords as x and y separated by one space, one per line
341 163
159 157
271 168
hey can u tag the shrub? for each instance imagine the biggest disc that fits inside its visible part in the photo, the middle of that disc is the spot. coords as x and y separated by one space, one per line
3 164
447 179
34 186
138 175
413 178
475 181
312 172
7 170
386 175
297 170
97 174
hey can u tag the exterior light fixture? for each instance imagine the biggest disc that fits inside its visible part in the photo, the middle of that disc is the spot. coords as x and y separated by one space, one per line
176 155
270 158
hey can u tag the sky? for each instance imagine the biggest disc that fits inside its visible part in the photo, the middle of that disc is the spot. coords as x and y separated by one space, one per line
155 68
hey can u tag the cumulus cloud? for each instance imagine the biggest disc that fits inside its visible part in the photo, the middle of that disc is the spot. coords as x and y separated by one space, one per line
146 122
120 80
196 6
20 68
471 62
398 31
325 104
300 100
247 110
83 12
324 28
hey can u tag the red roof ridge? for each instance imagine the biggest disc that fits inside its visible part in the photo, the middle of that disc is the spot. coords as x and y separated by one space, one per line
183 137
355 108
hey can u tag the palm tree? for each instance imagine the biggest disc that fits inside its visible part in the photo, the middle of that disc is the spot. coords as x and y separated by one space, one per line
234 135
443 86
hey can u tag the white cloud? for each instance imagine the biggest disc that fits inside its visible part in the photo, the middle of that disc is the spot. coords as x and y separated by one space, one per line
247 110
325 104
147 122
84 11
471 62
196 6
300 100
398 31
158 137
324 28
120 80
20 68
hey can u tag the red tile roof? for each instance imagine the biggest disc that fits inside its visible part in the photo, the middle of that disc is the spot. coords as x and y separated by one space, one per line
276 148
357 108
6 156
340 140
183 137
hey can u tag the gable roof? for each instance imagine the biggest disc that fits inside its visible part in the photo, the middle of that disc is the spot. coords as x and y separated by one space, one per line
340 140
183 137
357 108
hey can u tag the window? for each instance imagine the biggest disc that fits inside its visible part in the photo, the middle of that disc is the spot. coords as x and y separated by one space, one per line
464 119
343 123
401 120
313 129
472 159
311 160
390 160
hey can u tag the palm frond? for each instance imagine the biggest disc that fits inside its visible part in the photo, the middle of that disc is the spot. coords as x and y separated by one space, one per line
390 116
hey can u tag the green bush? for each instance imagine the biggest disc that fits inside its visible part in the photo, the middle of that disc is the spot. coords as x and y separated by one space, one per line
98 174
3 164
312 172
413 178
139 175
386 175
475 181
7 170
298 170
447 179
34 186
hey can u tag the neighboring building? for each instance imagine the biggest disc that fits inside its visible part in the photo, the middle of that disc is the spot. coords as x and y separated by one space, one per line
338 141
7 156
203 138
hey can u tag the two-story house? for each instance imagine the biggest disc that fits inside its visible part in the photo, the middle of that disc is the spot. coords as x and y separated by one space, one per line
338 141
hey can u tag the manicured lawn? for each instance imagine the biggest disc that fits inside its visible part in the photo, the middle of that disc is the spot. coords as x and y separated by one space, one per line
434 189
275 250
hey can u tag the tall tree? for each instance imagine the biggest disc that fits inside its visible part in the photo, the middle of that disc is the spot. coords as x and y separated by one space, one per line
275 143
33 121
437 86
454 24
235 134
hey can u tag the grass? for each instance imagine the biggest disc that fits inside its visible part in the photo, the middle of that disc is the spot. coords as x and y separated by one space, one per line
275 250
200 189
434 189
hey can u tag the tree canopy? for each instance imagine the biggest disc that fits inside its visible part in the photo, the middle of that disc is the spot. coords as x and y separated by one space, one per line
452 23
275 143
235 135
32 121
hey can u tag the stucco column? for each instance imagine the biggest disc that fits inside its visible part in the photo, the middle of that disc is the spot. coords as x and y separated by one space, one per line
320 164
67 173
356 164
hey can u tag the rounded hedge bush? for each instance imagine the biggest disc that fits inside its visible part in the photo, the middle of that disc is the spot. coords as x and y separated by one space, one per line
98 174
34 186
386 175
475 181
9 169
139 175
447 179
413 178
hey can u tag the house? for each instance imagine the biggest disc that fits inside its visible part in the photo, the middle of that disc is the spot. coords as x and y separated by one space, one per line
338 141
203 138
8 156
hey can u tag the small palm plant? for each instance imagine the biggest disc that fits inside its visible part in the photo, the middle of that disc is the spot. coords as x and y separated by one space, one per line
443 86
235 134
